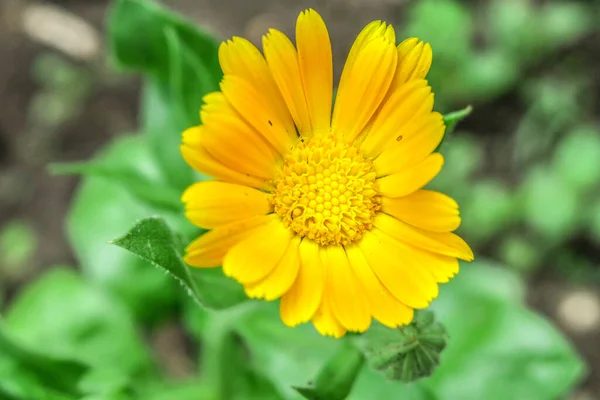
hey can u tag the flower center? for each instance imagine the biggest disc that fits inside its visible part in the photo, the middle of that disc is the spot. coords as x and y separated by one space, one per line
325 191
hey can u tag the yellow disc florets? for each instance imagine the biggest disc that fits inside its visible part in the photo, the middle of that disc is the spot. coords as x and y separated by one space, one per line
325 191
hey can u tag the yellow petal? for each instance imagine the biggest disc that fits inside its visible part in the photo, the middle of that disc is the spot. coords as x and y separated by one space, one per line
196 155
414 61
363 87
239 58
225 131
424 209
260 114
395 267
442 268
282 59
411 179
384 307
211 204
348 301
324 319
316 66
445 243
413 101
300 303
281 278
253 258
210 248
375 29
411 148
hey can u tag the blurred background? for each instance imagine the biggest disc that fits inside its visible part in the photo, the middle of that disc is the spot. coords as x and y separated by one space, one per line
525 166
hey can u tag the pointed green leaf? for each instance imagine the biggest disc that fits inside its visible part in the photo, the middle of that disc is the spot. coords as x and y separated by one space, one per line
453 118
335 380
152 240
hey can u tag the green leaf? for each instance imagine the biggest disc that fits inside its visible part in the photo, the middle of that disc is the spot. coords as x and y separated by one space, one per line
463 155
453 118
103 209
499 349
451 44
161 124
238 380
18 243
129 178
555 219
580 144
489 208
152 240
564 22
46 372
136 30
334 381
192 389
65 317
181 64
520 253
189 79
594 220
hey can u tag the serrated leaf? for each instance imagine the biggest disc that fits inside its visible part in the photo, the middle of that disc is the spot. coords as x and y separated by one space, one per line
336 378
111 209
151 239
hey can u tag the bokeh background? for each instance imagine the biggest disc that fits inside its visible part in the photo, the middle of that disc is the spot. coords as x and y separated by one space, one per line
525 166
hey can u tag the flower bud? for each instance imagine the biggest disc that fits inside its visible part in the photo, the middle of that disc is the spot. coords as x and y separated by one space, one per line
407 353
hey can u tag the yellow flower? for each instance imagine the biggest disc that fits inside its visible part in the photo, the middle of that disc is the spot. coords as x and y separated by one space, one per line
323 209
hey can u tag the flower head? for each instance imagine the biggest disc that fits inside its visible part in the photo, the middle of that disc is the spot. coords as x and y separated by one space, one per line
324 208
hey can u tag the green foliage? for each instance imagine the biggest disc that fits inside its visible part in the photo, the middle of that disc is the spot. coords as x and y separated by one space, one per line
498 337
25 373
490 208
499 349
127 176
152 240
18 243
81 334
181 63
407 353
550 208
452 119
580 144
65 318
110 208
334 381
520 253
